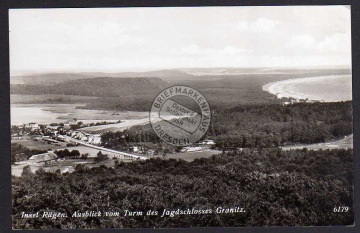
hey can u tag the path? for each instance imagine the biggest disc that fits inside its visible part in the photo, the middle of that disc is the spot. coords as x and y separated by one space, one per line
106 149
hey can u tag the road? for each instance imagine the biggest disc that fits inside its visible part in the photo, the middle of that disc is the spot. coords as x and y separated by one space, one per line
106 149
344 143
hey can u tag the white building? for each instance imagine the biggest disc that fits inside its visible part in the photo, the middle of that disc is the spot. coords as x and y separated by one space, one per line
33 126
279 95
94 139
135 149
208 142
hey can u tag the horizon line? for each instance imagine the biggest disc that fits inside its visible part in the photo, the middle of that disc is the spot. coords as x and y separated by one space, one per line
140 70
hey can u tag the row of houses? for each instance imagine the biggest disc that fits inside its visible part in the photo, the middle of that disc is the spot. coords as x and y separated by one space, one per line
36 126
54 131
33 128
86 137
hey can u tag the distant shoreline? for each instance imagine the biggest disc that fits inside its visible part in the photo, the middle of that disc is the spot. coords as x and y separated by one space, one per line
331 88
60 113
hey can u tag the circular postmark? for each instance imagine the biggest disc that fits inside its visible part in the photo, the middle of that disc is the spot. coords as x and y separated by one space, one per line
175 123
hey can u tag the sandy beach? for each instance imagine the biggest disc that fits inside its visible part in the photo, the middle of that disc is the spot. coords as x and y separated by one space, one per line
332 88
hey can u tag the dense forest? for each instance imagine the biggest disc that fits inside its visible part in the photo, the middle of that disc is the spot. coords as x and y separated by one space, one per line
274 125
275 188
260 126
111 93
52 78
99 87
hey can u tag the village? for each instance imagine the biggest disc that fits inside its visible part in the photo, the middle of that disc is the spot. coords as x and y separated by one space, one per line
285 100
81 147
71 132
55 132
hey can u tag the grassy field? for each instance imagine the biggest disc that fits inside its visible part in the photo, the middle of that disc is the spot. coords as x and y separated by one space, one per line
346 143
190 156
126 124
39 145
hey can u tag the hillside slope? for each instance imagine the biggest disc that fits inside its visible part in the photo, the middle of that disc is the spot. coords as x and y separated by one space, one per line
52 78
99 87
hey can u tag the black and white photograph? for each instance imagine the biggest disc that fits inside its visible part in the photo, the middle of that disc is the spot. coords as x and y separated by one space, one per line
181 117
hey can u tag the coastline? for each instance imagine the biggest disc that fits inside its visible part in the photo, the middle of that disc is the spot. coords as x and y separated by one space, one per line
332 88
51 113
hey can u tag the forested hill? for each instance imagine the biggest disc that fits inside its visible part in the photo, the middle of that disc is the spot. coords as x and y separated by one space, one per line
51 78
174 74
261 126
276 188
47 79
100 87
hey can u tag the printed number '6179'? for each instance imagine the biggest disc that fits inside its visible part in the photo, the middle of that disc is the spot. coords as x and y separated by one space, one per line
341 209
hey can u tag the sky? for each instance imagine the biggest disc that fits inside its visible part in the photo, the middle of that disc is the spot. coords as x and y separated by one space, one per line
137 39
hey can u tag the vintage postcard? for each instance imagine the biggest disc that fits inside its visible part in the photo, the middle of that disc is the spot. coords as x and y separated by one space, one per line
181 117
